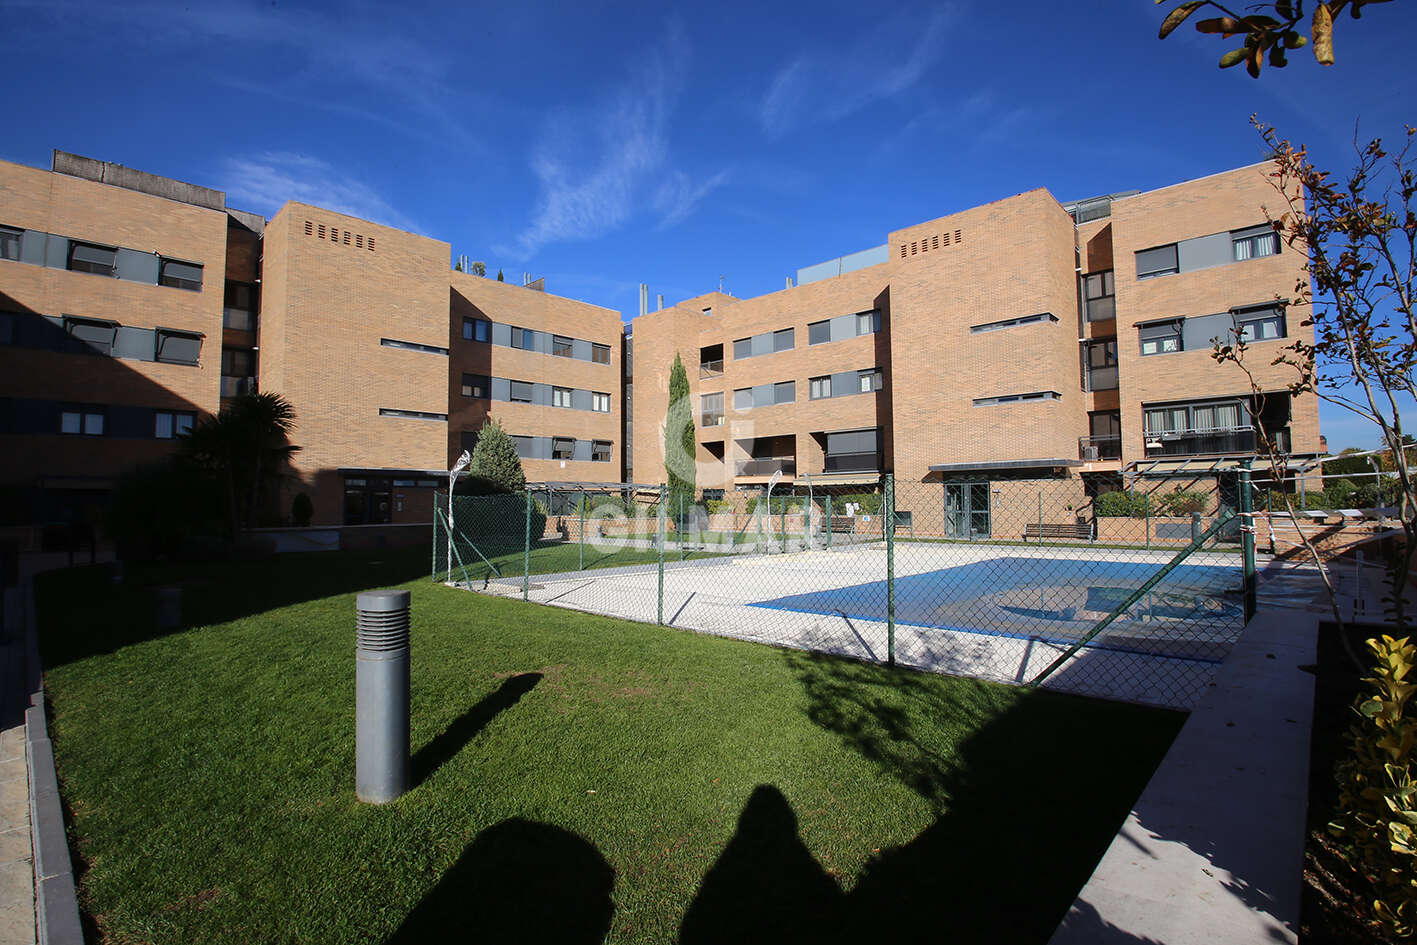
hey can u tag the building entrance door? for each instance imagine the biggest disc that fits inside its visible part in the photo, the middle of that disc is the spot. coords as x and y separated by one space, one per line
967 510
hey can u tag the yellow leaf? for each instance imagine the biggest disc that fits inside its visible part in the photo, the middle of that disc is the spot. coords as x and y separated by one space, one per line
1323 34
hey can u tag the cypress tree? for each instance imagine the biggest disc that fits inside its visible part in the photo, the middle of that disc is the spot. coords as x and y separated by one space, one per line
679 441
495 459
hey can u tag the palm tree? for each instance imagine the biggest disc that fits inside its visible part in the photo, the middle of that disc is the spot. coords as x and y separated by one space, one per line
244 445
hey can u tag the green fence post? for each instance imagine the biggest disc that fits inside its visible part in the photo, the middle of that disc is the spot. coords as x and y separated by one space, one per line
1146 509
1040 516
580 560
660 617
1247 542
526 551
782 519
890 568
434 573
679 529
829 523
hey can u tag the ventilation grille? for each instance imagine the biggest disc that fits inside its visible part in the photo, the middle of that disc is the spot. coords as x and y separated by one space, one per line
336 235
935 241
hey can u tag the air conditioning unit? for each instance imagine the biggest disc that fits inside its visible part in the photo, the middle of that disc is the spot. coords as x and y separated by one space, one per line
1089 454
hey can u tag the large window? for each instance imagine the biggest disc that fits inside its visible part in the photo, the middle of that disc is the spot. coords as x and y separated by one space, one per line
178 347
821 387
562 447
239 306
1099 296
869 380
1222 426
561 346
1161 337
87 257
180 275
782 340
238 362
524 338
172 423
560 397
1101 365
90 335
843 327
852 451
476 386
600 451
10 242
711 410
599 402
1260 324
1160 261
77 420
525 446
600 354
476 329
1255 242
765 395
520 392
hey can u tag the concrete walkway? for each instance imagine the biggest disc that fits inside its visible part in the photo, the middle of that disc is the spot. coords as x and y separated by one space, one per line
17 924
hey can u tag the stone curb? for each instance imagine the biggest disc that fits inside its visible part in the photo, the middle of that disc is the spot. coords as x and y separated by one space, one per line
56 903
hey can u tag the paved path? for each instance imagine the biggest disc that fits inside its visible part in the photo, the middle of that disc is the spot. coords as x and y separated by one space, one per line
17 926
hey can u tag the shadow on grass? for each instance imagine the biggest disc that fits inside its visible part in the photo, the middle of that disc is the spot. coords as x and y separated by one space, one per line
465 727
519 881
1025 807
83 612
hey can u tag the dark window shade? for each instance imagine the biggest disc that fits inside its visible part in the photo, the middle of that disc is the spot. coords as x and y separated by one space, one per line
10 242
784 392
524 446
521 392
600 451
1156 262
742 348
855 441
181 275
91 336
178 347
85 257
782 340
819 333
743 399
562 447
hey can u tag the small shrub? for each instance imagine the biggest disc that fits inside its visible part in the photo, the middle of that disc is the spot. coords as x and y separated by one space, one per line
780 504
1181 503
302 509
1119 505
1377 793
715 506
1338 493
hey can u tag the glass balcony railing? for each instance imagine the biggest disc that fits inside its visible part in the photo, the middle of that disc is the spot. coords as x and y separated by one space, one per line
1102 378
236 386
1102 309
710 368
238 318
787 465
1199 442
1094 448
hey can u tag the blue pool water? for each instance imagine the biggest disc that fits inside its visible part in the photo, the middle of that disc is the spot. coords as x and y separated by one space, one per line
1193 614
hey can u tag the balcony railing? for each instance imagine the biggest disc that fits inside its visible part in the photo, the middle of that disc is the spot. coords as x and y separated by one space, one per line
1102 378
710 368
236 386
1187 442
711 420
852 462
238 318
1094 448
787 465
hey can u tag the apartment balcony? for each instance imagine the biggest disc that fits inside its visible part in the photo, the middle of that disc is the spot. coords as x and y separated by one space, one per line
709 369
1101 310
1092 449
236 386
852 462
1102 378
787 465
1204 442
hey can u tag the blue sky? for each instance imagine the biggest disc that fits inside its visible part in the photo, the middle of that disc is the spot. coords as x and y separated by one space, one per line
604 145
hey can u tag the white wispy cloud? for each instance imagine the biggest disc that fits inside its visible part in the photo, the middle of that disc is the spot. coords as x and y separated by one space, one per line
600 166
829 84
263 182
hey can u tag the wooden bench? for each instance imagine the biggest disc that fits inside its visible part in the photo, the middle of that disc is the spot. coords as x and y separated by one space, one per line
905 520
842 523
1079 531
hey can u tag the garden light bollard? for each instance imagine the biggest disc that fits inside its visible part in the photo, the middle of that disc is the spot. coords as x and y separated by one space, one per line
381 696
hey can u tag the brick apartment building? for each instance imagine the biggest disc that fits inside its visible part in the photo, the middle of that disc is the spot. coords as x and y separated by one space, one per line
1019 338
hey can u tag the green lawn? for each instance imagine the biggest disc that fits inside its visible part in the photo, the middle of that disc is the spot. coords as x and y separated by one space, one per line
549 558
577 778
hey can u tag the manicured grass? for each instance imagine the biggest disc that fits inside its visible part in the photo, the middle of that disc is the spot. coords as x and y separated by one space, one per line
551 558
576 777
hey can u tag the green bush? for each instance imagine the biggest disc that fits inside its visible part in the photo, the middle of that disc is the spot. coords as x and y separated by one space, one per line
869 502
715 506
1180 503
1377 792
780 504
1119 505
1338 493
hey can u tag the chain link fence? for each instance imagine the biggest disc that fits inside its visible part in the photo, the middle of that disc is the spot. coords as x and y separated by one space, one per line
1134 594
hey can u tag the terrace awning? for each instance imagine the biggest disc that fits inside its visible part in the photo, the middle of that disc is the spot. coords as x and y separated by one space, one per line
1209 465
1004 464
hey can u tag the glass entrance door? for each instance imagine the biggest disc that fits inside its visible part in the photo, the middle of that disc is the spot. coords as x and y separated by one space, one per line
967 510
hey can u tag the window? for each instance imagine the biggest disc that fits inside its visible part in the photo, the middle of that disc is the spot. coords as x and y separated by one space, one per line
412 346
784 392
238 362
1160 261
81 421
476 329
819 332
561 346
600 354
782 340
1014 322
1161 338
852 451
86 257
90 335
412 414
743 398
1017 398
560 397
711 410
599 402
1188 418
1099 296
1261 324
239 306
168 423
1101 360
475 385
525 446
10 242
1255 242
523 338
868 323
180 275
178 347
742 348
520 392
562 447
869 380
600 451
821 387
